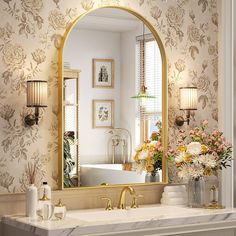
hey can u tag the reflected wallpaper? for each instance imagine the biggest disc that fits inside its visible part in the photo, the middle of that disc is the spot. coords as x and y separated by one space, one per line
30 35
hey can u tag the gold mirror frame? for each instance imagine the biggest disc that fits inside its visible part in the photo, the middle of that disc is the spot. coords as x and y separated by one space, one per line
164 99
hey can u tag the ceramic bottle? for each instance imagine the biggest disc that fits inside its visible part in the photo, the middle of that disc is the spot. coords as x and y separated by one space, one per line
31 201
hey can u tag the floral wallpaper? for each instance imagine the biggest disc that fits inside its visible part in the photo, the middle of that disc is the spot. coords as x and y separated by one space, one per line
30 35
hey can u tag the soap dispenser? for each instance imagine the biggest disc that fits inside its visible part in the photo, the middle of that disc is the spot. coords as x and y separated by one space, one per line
45 189
45 208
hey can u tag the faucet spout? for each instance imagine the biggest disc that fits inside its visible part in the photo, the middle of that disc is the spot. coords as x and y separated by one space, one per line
121 204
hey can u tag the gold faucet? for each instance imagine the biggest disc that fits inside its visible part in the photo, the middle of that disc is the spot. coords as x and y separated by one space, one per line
121 204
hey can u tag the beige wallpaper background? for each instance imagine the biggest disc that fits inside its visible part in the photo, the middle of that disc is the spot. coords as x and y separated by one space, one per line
30 34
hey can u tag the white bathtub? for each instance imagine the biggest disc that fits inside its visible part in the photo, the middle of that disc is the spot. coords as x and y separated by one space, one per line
96 174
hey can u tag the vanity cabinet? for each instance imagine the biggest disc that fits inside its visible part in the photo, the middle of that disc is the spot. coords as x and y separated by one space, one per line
196 230
225 232
8 230
150 220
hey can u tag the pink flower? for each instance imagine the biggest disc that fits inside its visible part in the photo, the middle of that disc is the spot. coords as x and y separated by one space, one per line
207 140
205 122
214 133
220 148
158 144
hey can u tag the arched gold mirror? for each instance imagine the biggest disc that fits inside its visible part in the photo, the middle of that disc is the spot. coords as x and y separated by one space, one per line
112 101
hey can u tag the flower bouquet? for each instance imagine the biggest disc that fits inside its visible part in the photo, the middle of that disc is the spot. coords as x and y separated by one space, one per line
201 153
148 156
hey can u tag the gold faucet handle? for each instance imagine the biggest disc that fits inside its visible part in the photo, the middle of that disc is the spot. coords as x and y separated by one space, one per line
109 206
134 203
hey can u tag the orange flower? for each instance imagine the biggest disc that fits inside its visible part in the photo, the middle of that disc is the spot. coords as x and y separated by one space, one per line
149 168
207 172
182 148
188 158
178 164
136 157
204 148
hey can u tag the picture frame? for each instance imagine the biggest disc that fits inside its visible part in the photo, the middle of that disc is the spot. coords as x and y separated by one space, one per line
103 73
103 113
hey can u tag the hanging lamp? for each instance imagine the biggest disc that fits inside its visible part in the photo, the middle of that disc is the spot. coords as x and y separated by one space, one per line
142 95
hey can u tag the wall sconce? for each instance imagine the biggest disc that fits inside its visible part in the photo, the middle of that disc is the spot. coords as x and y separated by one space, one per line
188 102
36 97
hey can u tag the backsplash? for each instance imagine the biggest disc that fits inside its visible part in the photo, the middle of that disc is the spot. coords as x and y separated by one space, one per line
30 34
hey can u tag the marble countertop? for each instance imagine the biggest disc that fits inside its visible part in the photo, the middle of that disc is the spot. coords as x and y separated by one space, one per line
98 221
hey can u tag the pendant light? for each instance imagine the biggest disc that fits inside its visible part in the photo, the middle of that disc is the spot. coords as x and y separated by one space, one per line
142 95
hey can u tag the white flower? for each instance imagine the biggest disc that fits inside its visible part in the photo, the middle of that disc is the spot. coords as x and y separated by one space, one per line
179 158
153 142
187 171
196 171
194 148
143 155
138 167
184 172
207 160
138 148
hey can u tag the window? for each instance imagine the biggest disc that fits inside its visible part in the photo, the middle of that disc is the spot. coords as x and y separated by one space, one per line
148 73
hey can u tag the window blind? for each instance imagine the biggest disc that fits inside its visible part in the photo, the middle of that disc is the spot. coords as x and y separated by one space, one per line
151 77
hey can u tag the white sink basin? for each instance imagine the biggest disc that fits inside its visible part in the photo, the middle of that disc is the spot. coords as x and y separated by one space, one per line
117 215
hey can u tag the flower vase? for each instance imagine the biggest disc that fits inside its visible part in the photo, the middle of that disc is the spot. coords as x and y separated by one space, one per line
196 192
156 177
148 177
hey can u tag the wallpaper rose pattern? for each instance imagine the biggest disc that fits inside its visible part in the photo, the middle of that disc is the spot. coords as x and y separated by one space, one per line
30 35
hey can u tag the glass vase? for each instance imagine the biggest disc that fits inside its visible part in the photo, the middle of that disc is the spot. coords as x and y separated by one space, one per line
196 192
156 177
148 177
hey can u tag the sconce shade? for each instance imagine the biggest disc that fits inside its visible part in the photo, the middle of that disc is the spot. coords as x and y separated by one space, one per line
37 93
188 98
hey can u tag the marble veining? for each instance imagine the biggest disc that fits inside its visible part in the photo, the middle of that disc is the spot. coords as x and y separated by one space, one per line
146 217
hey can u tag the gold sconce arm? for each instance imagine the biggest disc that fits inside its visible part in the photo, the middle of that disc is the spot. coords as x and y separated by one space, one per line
180 119
32 119
188 102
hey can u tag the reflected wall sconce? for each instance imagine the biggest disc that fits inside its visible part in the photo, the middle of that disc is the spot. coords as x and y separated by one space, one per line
188 102
36 97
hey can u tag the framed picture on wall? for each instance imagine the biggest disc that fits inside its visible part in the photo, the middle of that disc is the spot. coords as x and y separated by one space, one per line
103 113
103 73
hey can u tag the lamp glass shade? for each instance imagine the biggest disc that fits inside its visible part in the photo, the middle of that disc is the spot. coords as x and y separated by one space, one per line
188 98
37 93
